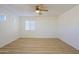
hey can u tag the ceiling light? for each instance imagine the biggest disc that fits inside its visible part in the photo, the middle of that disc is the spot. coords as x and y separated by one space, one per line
37 11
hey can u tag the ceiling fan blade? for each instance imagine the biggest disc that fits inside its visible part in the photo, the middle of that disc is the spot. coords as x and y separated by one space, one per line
44 10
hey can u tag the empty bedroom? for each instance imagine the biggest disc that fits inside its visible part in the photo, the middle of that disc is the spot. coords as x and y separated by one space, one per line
39 28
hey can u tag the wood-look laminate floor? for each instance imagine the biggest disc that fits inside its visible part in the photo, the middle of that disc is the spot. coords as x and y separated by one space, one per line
38 46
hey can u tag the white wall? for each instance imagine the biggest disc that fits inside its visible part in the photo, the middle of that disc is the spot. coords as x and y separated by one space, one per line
8 28
68 27
45 27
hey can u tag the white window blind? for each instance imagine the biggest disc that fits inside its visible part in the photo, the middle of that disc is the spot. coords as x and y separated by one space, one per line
30 25
2 18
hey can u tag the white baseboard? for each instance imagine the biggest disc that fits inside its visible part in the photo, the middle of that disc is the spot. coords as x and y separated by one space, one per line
71 44
38 37
7 42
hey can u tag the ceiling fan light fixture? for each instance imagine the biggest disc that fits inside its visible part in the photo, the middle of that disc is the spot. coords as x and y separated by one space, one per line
37 11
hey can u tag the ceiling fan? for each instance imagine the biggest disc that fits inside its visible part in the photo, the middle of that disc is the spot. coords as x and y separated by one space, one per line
40 8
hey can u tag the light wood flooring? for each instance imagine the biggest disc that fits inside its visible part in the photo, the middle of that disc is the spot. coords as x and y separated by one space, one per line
38 46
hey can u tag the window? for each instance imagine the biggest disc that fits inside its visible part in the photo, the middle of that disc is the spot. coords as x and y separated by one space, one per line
2 18
29 25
